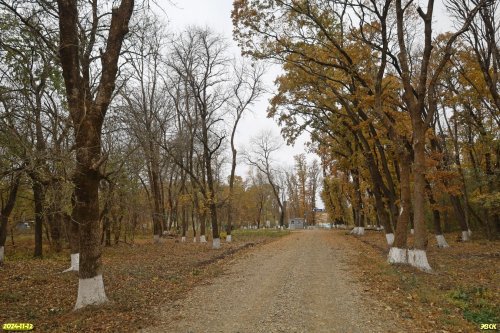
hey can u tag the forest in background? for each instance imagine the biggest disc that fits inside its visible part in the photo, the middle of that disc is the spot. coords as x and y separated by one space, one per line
406 121
111 126
109 121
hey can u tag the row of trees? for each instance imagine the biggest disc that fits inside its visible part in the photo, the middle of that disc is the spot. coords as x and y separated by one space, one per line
109 123
405 121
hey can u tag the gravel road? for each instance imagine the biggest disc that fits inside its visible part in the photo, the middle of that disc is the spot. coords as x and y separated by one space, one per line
299 283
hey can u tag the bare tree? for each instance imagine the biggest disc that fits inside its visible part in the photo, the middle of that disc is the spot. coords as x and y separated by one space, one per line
246 90
146 107
199 60
313 175
260 156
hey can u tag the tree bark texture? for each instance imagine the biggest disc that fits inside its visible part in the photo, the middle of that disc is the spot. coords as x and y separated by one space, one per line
87 113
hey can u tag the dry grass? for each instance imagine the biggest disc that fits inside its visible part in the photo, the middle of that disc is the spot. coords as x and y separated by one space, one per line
462 292
137 277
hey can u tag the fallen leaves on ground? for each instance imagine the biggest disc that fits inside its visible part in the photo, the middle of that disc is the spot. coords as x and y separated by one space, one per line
138 278
460 293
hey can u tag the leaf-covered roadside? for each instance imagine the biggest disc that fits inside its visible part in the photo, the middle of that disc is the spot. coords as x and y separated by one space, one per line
461 293
138 278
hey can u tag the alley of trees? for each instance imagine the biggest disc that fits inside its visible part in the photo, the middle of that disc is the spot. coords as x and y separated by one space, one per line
112 124
405 120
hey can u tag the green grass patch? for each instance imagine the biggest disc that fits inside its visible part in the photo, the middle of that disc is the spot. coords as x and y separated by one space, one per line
477 303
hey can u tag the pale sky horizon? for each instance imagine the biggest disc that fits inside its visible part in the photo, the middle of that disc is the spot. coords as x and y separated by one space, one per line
181 14
216 14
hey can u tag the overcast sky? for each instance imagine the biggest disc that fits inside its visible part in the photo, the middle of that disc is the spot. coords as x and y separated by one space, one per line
216 14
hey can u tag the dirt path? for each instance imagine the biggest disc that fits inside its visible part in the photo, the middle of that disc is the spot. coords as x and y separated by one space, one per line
300 283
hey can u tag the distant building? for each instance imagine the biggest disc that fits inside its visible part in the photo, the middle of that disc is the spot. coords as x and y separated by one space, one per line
24 225
296 223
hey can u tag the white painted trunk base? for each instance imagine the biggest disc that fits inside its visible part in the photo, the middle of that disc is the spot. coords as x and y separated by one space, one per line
194 239
229 238
183 239
156 238
390 238
2 253
418 259
397 256
75 263
466 235
412 231
203 239
358 231
216 243
90 292
441 241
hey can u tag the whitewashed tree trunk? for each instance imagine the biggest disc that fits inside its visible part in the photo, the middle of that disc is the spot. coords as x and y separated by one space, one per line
156 238
466 235
216 243
390 238
203 239
2 254
358 231
90 292
412 231
75 263
194 239
418 259
397 256
228 238
183 239
441 241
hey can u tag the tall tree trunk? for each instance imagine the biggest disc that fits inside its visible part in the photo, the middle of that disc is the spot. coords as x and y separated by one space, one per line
359 218
55 217
418 256
231 185
39 199
86 214
193 222
184 223
398 252
212 205
74 240
87 113
203 227
108 232
461 217
156 193
441 241
5 212
55 231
